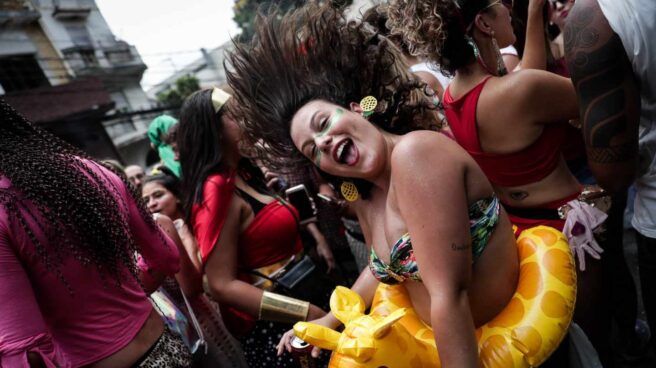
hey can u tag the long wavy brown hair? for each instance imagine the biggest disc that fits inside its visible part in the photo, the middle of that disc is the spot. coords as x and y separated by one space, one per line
314 53
83 218
436 29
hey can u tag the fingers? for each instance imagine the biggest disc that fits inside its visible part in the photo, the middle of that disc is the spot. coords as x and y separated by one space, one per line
315 352
285 342
330 263
271 184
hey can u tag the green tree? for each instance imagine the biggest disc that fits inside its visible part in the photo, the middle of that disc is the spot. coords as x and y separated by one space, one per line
245 11
174 96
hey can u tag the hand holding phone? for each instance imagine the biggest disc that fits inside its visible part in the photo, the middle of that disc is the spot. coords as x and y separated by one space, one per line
299 197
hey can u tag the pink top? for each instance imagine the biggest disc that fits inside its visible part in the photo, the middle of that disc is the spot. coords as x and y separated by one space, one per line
39 314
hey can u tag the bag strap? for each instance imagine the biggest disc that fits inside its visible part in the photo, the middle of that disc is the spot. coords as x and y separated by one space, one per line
194 322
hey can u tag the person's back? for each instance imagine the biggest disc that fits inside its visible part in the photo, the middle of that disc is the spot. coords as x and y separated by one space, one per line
72 292
89 317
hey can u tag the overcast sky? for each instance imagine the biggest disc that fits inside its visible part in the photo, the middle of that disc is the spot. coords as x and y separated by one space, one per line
169 33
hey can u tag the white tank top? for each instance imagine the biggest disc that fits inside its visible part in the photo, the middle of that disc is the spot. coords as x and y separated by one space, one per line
634 21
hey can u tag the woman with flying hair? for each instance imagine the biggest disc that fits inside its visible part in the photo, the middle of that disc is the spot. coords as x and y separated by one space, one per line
513 126
73 293
421 200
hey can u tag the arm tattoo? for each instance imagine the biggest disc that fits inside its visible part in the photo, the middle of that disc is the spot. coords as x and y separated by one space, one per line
599 71
459 248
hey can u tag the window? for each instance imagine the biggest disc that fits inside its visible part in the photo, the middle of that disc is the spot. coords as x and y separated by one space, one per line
21 72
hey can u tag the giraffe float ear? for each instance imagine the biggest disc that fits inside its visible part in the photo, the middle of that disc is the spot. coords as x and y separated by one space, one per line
346 304
317 335
361 349
382 328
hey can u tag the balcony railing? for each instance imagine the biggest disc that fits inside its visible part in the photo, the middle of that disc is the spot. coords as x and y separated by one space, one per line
71 9
17 13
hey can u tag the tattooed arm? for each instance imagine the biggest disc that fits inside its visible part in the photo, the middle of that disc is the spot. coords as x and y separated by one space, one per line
608 95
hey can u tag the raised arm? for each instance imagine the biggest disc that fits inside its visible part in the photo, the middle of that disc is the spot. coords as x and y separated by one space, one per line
433 204
608 95
159 256
535 52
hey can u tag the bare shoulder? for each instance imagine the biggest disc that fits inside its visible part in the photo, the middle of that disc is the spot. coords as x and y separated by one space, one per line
425 149
519 83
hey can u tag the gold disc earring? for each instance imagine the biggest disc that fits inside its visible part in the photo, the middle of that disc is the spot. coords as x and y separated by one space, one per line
368 105
349 191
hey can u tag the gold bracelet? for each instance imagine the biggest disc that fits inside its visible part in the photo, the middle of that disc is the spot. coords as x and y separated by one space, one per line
280 308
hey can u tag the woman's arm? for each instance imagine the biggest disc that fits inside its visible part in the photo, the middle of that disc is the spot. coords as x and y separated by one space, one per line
189 243
24 338
159 256
365 286
221 270
189 278
535 52
323 248
433 204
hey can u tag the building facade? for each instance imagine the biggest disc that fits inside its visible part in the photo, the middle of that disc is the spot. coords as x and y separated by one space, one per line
49 43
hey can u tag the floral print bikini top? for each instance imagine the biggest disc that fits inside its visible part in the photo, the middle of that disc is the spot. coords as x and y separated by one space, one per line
483 217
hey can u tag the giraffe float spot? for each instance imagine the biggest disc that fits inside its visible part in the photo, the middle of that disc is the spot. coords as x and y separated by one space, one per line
401 343
495 352
416 361
526 248
549 237
527 340
554 260
509 316
426 334
554 305
530 282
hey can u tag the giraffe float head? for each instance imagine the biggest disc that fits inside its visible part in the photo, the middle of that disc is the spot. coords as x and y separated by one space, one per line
371 340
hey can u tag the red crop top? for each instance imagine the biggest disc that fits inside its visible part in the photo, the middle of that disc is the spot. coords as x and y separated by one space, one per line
271 237
527 166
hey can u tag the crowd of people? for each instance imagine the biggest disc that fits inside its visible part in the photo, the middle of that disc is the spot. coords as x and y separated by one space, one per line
410 147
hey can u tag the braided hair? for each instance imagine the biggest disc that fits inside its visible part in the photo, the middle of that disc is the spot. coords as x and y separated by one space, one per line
50 180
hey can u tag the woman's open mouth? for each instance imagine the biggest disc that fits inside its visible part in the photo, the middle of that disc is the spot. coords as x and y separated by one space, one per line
346 153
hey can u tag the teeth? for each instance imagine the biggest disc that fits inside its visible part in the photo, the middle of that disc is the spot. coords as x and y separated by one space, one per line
340 149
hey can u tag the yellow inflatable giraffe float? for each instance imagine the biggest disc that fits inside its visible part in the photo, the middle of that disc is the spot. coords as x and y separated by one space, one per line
524 334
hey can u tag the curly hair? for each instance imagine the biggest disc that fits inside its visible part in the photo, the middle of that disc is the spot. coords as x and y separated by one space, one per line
85 220
436 29
313 53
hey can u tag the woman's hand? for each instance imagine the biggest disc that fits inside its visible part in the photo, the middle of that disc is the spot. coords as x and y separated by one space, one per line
324 251
326 320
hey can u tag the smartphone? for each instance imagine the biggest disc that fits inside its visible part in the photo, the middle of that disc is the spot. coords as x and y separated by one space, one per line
329 200
299 197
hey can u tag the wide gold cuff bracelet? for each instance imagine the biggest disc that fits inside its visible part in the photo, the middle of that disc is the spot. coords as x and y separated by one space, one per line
280 308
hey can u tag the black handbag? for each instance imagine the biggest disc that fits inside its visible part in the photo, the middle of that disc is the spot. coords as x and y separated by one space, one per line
301 280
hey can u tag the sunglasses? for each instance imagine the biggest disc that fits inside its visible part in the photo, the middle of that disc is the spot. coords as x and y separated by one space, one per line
507 3
561 2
